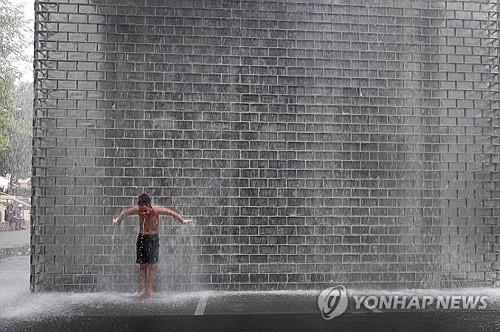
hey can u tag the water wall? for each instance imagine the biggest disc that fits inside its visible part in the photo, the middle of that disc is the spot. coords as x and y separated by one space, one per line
316 142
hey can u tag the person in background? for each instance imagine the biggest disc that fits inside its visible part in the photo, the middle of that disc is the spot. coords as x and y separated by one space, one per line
18 216
9 216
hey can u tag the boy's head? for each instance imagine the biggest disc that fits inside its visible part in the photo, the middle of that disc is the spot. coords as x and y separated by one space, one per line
144 203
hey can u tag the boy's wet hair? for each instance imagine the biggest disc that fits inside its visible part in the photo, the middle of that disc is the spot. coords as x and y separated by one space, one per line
144 199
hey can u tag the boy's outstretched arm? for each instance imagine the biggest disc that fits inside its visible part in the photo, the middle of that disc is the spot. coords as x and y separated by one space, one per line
168 212
125 214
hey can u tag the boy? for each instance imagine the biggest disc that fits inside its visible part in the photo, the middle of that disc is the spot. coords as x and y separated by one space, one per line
147 240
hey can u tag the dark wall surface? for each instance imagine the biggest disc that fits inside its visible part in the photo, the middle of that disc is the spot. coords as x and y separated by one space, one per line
314 142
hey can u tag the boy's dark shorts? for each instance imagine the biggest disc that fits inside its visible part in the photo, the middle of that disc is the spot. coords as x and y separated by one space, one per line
147 249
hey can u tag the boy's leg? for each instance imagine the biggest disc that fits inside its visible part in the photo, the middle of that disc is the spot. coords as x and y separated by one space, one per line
143 272
151 279
154 250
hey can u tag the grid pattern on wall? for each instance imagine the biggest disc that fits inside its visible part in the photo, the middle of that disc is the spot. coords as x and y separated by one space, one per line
312 142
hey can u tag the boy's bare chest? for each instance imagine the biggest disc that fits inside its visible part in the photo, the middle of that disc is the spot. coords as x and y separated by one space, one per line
148 219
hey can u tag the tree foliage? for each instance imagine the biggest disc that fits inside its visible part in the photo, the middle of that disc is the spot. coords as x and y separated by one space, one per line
16 158
12 41
15 97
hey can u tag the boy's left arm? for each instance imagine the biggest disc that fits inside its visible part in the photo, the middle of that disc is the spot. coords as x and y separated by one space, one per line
172 213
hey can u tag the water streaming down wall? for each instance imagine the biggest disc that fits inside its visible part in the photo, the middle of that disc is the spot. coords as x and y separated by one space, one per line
312 142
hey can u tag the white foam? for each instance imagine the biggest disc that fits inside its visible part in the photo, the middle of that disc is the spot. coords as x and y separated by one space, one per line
21 303
27 305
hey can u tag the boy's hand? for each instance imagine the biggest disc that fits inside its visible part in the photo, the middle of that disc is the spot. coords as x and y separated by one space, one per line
186 221
115 221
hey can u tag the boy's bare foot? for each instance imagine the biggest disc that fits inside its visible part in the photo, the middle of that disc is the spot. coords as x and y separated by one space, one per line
141 294
151 293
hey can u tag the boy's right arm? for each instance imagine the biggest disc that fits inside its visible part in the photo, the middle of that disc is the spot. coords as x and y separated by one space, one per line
125 214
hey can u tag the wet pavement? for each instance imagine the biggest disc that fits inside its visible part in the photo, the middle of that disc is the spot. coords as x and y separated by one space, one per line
14 243
14 238
110 321
21 310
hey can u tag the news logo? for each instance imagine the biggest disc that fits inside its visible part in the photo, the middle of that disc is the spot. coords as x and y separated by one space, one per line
332 302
